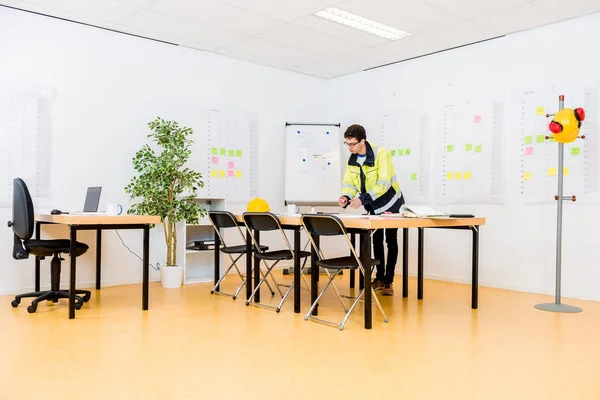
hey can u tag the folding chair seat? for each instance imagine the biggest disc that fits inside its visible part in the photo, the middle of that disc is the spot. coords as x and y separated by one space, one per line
222 220
266 221
329 225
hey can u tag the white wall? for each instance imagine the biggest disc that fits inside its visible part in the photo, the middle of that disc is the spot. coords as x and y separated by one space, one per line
109 85
518 242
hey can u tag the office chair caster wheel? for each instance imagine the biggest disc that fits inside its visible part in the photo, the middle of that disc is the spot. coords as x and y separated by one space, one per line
15 303
86 298
78 306
31 309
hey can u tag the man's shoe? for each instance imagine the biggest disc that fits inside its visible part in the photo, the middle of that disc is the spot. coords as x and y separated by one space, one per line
377 285
388 289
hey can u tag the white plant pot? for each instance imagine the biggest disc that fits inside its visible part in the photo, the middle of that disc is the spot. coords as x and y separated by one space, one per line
171 276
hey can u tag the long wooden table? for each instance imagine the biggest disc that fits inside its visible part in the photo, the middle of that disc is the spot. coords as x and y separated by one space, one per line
79 222
364 226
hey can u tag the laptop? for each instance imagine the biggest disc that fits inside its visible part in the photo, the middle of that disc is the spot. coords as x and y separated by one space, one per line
92 199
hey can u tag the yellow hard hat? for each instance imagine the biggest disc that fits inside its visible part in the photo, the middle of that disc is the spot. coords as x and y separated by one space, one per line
566 123
258 205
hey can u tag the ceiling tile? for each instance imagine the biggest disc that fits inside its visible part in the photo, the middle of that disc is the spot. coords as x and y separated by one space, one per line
286 10
138 3
333 67
103 10
309 40
517 19
263 49
412 46
412 16
218 15
475 8
460 34
574 8
158 25
339 30
369 58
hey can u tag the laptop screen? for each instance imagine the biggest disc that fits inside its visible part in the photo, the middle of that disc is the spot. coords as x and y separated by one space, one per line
92 199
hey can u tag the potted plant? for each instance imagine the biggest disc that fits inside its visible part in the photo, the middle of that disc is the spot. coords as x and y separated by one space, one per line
164 186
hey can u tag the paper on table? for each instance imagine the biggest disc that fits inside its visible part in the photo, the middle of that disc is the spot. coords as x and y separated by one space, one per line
420 212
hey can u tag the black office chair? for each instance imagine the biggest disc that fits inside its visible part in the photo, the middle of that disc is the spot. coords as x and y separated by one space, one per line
222 220
330 225
22 225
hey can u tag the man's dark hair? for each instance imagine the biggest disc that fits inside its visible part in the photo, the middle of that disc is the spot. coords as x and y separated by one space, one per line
356 131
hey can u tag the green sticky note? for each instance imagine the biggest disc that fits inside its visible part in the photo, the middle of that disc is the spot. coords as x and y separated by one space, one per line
450 148
400 152
469 147
231 153
238 153
528 140
223 152
215 151
393 153
551 139
540 138
575 151
413 176
407 152
478 148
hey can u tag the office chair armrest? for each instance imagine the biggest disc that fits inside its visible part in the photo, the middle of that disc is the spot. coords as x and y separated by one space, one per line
19 252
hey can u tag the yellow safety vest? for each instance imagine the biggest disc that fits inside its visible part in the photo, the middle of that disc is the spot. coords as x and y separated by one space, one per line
374 182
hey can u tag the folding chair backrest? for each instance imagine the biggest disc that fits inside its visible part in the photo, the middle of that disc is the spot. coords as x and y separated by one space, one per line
323 225
261 221
222 219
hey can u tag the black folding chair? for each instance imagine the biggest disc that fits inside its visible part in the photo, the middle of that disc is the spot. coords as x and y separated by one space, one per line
266 221
330 225
222 220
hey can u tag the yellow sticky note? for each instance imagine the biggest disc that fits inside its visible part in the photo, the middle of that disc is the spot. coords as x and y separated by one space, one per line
449 176
467 175
566 171
222 173
458 176
526 176
539 111
551 171
238 174
214 173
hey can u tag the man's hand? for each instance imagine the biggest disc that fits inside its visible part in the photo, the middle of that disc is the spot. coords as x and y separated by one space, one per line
356 203
342 201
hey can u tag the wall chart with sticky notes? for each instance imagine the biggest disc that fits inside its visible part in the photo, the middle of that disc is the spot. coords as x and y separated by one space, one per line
230 142
405 134
538 156
471 151
313 170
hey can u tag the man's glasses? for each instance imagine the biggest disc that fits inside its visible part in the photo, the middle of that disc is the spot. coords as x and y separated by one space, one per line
351 145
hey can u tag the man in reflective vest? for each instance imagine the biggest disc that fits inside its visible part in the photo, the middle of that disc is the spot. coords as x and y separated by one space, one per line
370 182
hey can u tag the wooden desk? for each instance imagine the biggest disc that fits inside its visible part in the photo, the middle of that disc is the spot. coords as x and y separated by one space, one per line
365 226
80 222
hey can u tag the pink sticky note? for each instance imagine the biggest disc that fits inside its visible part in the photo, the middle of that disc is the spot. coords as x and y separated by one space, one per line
231 165
230 172
477 119
215 160
528 151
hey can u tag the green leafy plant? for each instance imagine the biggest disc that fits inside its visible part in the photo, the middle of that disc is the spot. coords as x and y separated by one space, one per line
164 185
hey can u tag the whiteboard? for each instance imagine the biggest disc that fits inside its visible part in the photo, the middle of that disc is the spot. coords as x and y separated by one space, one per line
313 166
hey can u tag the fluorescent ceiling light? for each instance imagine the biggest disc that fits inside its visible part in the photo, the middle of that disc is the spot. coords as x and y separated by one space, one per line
362 23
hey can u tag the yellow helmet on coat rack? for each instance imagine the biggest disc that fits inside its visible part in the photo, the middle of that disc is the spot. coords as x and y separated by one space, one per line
258 205
566 123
